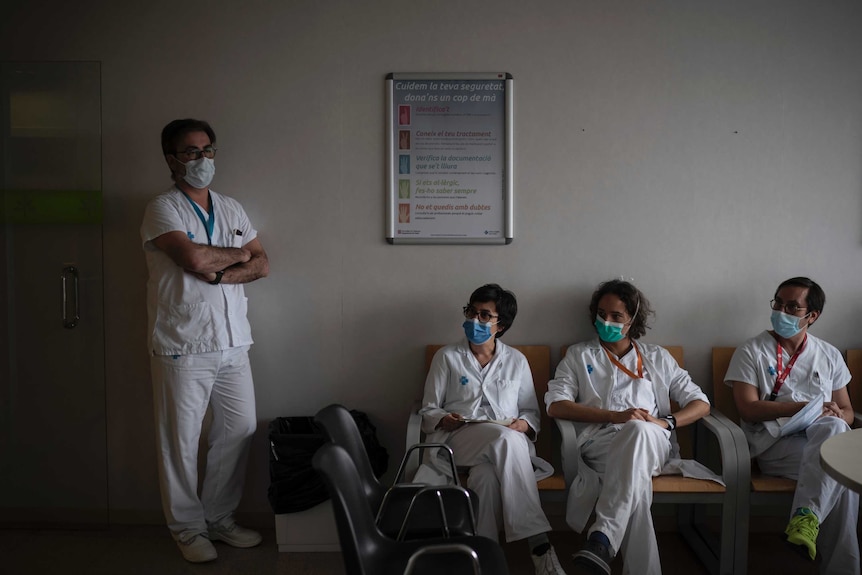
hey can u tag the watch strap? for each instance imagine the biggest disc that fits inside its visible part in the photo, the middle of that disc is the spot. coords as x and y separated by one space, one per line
218 277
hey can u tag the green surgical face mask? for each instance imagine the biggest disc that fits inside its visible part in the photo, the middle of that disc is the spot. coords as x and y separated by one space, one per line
609 331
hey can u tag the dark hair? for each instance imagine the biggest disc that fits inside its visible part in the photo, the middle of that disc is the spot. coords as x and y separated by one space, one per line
175 130
634 300
507 305
815 300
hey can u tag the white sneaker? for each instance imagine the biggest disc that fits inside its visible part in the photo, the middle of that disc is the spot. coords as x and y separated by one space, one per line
235 535
197 549
547 564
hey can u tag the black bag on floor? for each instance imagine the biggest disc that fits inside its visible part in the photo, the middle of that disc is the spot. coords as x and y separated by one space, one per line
376 453
294 484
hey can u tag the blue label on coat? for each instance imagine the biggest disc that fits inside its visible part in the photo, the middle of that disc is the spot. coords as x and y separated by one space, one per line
464 380
589 368
772 370
191 235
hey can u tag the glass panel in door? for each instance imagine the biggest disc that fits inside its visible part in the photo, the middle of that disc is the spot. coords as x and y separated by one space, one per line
53 448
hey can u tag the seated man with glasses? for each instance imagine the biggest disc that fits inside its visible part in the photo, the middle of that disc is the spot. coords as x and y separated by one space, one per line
791 392
479 399
618 391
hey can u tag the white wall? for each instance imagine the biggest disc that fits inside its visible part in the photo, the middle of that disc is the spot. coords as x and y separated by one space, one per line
708 150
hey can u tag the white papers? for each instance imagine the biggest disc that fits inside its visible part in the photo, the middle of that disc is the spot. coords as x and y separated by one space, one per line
784 426
507 421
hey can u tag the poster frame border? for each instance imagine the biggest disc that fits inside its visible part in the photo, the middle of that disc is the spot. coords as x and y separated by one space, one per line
508 160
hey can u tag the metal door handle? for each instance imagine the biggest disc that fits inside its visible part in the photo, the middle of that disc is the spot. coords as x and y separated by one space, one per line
71 310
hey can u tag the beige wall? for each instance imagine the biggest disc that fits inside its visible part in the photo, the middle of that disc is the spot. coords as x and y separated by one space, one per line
708 150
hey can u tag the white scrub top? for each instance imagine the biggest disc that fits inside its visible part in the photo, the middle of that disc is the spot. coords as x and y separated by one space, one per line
188 315
456 383
819 370
587 376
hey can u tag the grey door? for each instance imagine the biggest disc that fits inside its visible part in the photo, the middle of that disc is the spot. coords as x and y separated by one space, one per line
53 452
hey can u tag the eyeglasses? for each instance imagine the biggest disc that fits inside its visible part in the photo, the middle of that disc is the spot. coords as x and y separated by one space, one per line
195 153
485 316
790 307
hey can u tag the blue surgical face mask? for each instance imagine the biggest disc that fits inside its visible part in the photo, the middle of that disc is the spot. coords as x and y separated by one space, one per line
476 331
786 325
609 331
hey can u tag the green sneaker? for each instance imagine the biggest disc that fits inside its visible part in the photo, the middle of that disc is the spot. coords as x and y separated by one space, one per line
802 532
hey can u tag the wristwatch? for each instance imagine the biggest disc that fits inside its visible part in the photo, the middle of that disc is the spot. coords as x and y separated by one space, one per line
218 277
671 422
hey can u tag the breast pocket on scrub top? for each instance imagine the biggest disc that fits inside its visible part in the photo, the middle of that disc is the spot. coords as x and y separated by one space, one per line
507 396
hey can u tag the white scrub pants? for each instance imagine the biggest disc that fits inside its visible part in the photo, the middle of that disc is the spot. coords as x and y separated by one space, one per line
627 460
502 476
837 508
183 387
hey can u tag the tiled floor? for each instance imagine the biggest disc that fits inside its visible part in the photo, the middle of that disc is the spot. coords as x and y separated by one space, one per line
149 550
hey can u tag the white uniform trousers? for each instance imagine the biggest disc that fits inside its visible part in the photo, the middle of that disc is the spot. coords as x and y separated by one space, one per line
502 476
183 387
627 460
836 507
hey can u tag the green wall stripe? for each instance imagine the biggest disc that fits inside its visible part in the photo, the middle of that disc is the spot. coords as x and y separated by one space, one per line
51 206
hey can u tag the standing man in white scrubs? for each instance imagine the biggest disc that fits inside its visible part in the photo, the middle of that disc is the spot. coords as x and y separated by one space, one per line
200 249
791 392
618 392
483 379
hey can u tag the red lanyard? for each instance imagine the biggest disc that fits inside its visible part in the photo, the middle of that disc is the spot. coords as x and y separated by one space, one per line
781 377
624 369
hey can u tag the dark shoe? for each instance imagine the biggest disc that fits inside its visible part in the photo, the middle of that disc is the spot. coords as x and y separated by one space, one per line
594 558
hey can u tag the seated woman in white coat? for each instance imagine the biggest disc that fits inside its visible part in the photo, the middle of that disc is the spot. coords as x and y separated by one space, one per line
483 379
618 392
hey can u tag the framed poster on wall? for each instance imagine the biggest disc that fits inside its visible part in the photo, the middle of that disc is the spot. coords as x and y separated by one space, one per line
449 158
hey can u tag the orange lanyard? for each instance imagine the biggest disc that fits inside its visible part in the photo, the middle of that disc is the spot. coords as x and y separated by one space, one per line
624 369
781 377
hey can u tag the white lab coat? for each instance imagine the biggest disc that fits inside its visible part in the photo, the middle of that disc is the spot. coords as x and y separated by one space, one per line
187 315
456 383
640 450
504 468
818 371
199 337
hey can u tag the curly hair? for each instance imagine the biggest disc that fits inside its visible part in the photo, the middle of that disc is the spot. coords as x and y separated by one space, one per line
637 305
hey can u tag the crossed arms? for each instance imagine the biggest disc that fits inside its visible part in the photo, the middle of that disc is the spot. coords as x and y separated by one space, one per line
240 265
566 409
